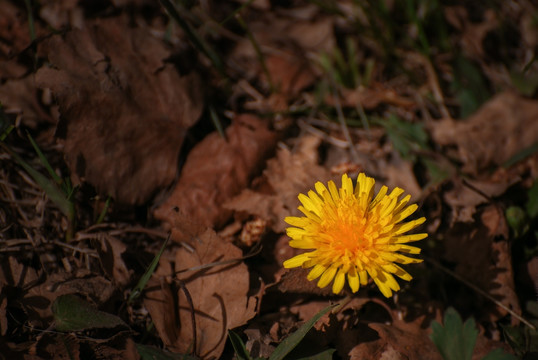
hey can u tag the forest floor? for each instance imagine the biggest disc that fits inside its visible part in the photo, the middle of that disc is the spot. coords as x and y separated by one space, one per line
151 150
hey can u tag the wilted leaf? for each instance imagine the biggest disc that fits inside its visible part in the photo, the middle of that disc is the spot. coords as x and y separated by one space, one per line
454 339
71 313
288 174
124 111
407 339
486 262
217 169
500 129
218 293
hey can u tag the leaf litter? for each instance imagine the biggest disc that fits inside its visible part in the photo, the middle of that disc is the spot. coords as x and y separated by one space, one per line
120 100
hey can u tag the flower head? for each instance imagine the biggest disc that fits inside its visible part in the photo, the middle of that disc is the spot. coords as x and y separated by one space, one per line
354 234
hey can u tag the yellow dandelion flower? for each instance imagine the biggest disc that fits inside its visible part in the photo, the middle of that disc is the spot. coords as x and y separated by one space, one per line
354 234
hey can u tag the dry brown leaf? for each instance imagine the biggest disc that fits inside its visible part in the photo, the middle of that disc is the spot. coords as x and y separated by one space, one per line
13 29
463 198
289 174
19 96
219 294
500 129
38 292
473 34
288 74
407 339
370 98
486 261
110 251
217 169
124 111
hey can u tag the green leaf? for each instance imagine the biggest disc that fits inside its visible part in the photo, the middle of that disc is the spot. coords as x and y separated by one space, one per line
455 341
499 354
147 275
152 353
517 220
239 346
71 313
294 339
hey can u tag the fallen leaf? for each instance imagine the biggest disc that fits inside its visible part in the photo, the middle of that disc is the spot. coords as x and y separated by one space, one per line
473 34
466 195
218 169
500 129
486 262
408 339
218 293
124 111
110 251
287 175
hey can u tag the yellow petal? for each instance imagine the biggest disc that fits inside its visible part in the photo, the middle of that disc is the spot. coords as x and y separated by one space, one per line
316 272
410 238
353 279
327 277
385 290
296 261
339 281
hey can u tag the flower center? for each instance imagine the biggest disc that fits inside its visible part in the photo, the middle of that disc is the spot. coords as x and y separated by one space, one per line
347 227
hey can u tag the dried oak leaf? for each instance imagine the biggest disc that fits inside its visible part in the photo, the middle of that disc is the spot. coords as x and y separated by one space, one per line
486 261
124 111
288 174
217 169
463 198
35 291
500 129
219 296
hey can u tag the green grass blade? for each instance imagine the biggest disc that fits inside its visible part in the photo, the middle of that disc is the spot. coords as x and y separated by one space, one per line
147 275
104 211
44 161
239 346
55 194
294 339
197 41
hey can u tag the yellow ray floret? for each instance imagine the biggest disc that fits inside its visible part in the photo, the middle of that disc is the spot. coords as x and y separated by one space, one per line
354 235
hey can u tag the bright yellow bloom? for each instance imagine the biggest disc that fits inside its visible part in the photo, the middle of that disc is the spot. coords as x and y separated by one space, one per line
354 234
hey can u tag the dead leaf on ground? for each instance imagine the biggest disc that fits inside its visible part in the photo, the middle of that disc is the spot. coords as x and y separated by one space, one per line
38 291
124 111
473 34
486 261
464 197
288 174
219 296
408 339
500 129
217 169
371 97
